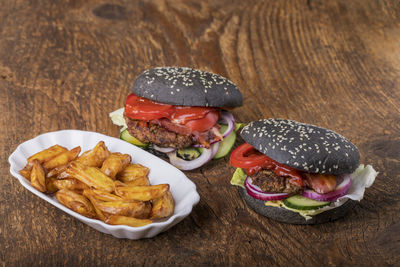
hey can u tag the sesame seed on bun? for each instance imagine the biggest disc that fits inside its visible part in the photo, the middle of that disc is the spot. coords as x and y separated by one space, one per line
302 146
187 87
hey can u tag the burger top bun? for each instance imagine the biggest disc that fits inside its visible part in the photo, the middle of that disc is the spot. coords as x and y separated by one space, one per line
302 146
187 87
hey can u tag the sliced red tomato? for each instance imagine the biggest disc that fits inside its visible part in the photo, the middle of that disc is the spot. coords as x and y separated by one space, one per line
193 118
184 114
140 108
245 157
204 124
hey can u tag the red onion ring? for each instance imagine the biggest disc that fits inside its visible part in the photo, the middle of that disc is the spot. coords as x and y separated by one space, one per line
187 165
163 149
256 192
341 189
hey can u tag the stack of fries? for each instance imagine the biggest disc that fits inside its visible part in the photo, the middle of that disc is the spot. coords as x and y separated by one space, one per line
99 184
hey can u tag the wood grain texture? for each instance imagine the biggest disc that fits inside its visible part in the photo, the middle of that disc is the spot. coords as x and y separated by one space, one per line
67 64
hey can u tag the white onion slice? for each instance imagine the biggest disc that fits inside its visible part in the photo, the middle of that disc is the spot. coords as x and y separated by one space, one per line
344 183
163 149
256 192
187 165
228 118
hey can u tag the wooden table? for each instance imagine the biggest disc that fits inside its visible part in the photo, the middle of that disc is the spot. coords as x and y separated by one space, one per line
66 65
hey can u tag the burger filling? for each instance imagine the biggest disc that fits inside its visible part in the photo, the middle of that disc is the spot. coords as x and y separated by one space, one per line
274 177
164 133
171 126
268 181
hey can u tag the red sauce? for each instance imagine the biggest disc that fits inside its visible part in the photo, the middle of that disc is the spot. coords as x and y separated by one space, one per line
278 169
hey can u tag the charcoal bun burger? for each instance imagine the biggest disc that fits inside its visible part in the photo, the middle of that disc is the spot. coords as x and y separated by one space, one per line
298 173
181 112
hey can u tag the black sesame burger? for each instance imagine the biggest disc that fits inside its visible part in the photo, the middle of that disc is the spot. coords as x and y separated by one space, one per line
298 173
181 112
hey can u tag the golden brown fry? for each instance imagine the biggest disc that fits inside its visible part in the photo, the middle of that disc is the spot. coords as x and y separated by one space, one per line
142 193
91 176
62 158
103 196
64 174
96 156
41 156
115 163
163 206
87 193
133 172
119 183
26 171
76 202
38 180
137 209
141 181
116 219
57 171
47 154
71 184
50 186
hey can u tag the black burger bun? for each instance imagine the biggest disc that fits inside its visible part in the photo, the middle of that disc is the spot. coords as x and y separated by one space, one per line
302 146
187 87
287 216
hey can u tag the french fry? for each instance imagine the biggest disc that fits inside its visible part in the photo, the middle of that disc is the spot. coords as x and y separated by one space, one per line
71 184
163 206
103 196
57 171
41 156
115 163
26 171
38 179
62 158
138 182
91 176
133 172
64 174
50 186
76 202
142 193
117 219
96 156
137 209
47 154
141 181
87 193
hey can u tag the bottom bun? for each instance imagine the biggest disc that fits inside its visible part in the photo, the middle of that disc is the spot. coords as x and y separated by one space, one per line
287 216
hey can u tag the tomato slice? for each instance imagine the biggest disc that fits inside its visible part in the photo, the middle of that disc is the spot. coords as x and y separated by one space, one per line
198 119
245 157
144 109
184 114
204 124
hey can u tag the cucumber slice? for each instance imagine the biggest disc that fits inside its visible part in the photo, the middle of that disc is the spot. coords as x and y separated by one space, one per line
131 139
226 144
189 153
302 203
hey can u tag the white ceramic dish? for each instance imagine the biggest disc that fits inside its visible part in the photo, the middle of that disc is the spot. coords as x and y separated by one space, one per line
183 190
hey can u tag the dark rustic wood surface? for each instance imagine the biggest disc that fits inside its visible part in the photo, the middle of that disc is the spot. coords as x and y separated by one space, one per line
67 64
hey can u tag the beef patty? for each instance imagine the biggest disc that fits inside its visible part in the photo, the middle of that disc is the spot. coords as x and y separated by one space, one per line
148 132
268 181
